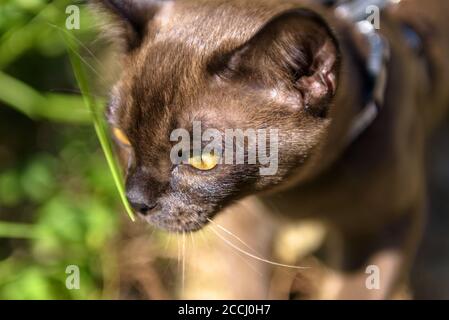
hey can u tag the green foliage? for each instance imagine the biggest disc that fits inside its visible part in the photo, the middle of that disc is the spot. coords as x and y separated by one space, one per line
59 204
98 122
36 105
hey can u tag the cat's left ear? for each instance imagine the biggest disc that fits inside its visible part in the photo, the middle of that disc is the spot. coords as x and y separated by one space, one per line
130 18
295 53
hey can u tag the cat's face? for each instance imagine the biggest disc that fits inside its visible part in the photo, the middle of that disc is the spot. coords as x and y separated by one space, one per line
220 66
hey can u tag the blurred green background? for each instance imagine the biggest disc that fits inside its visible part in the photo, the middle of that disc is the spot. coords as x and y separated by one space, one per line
58 203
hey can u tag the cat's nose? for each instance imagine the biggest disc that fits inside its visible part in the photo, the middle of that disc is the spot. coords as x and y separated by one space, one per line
142 191
142 207
140 203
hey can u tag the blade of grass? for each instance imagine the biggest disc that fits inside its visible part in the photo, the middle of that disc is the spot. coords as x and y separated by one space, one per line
16 230
98 122
21 38
36 105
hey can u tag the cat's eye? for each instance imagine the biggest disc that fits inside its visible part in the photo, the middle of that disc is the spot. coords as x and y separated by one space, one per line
207 161
121 137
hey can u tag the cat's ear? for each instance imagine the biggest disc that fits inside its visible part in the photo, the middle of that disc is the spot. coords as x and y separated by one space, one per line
130 18
295 53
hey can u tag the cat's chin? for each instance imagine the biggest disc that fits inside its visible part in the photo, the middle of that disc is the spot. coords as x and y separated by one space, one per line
176 223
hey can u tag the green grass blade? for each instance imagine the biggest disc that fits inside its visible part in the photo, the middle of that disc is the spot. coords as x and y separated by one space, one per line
35 105
98 122
16 230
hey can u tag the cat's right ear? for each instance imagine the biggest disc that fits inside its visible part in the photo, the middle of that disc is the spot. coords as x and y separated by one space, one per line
295 55
130 18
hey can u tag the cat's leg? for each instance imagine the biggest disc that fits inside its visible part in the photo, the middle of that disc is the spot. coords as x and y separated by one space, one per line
377 264
217 269
296 244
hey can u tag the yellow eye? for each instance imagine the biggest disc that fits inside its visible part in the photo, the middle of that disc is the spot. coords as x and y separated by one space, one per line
207 162
121 137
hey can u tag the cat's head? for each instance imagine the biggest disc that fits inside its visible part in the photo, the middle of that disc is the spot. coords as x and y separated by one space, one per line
220 65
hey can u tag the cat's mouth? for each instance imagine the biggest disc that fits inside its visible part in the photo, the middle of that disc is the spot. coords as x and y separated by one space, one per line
178 221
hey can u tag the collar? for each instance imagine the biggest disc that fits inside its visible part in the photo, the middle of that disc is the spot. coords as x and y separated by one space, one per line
376 65
356 12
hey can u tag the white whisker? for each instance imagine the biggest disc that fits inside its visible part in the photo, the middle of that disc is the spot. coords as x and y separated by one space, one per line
76 52
183 261
254 256
232 235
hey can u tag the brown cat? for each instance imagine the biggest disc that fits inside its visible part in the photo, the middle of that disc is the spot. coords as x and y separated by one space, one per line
298 68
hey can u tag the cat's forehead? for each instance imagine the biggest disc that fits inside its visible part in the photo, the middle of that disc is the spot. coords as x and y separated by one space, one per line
167 77
184 35
206 23
170 97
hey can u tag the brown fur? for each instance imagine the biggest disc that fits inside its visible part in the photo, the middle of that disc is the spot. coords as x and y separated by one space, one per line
217 61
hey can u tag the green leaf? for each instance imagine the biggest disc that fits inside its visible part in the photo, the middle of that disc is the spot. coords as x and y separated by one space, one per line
53 107
17 230
98 122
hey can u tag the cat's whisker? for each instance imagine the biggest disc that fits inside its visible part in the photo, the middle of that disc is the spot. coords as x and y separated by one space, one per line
252 255
237 238
232 235
179 254
242 258
205 240
252 267
78 41
168 255
192 261
167 242
241 255
151 234
237 254
82 59
183 262
92 68
193 240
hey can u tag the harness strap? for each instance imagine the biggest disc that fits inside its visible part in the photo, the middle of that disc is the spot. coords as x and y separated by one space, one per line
355 11
376 66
